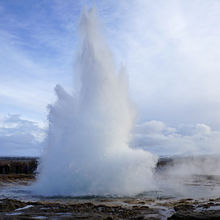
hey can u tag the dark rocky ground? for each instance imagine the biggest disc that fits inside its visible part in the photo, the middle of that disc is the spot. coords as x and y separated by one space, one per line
102 208
13 209
110 209
21 179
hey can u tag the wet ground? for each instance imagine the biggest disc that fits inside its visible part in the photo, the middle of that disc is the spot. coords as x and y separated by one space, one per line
16 202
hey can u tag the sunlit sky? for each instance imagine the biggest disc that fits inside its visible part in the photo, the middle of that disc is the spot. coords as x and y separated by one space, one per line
171 50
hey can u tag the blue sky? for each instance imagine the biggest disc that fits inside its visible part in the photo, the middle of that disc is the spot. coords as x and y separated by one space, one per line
170 48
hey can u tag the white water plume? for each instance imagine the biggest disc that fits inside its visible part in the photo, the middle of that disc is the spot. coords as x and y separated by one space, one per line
87 145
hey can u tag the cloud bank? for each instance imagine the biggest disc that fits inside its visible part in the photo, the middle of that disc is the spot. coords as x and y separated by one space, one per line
155 136
20 137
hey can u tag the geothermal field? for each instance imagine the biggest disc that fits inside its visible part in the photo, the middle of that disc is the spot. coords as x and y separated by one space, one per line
176 195
89 170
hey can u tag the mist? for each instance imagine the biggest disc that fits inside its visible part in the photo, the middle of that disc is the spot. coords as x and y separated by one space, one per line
89 131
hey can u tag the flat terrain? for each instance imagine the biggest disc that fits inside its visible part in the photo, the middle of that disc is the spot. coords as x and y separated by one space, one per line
101 208
16 178
17 202
110 209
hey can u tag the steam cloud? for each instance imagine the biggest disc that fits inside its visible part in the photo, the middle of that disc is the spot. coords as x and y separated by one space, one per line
87 145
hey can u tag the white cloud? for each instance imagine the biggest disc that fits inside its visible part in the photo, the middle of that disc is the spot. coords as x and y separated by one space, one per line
20 137
171 50
157 137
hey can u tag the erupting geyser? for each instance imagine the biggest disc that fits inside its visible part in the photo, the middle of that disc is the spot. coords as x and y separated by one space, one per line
87 145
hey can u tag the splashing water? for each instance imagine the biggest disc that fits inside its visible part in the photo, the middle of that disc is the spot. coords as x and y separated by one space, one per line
88 136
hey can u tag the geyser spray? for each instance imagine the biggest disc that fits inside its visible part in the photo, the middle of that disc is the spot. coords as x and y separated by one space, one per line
87 149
